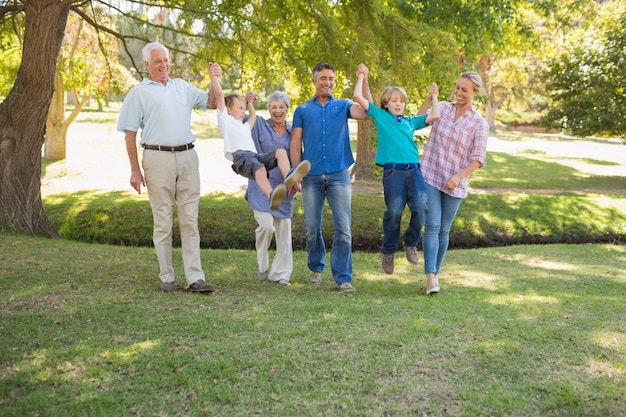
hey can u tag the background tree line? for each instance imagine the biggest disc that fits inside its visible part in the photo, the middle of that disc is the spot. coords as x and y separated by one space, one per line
560 61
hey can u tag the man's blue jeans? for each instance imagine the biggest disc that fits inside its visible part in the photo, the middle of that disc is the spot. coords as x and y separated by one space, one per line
403 187
442 209
336 188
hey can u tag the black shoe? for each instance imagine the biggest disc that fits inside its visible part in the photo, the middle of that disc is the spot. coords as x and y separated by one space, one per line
200 286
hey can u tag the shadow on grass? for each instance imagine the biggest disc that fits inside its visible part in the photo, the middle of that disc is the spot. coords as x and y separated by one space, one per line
519 331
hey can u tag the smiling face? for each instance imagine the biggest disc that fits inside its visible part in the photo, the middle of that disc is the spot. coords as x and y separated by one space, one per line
278 112
465 92
324 82
158 66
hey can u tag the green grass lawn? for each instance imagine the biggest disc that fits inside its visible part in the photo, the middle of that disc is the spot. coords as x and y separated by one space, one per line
517 331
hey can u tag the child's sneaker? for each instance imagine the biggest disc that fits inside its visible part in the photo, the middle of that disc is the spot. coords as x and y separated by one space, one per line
297 173
277 195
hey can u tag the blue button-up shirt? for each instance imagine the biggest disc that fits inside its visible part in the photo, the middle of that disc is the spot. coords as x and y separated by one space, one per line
162 112
325 134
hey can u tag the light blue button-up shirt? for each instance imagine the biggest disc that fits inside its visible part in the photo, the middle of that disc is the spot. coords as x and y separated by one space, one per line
266 140
162 112
325 134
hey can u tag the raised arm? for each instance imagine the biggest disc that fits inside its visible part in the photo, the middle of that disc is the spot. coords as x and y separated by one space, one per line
434 115
216 71
357 111
211 104
358 91
250 99
433 89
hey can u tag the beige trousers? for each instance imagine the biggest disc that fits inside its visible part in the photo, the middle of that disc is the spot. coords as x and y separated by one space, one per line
173 181
282 265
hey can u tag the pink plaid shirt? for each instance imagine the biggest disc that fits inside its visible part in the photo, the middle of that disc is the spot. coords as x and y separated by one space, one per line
452 145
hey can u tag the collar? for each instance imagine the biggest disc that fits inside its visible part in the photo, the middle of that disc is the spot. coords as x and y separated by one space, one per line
149 81
330 98
472 107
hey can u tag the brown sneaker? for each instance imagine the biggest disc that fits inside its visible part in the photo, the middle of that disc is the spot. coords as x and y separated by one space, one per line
387 262
169 286
411 255
200 286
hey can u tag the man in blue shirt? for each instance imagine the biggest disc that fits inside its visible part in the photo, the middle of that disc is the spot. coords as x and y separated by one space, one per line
161 107
320 134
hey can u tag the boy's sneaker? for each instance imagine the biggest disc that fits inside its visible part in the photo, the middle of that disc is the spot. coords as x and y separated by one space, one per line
277 195
296 173
411 255
387 262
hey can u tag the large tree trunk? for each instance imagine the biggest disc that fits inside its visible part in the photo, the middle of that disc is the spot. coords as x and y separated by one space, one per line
490 113
57 124
54 146
23 119
365 151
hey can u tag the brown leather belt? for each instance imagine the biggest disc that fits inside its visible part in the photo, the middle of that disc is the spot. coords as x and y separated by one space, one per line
168 148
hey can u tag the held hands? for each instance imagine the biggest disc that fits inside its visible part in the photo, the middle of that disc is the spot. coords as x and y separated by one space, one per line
362 69
433 90
215 70
251 97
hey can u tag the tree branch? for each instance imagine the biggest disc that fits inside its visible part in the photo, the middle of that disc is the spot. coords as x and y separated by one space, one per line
119 36
12 9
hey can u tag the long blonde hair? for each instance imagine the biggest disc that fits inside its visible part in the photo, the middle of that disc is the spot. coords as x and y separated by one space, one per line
474 78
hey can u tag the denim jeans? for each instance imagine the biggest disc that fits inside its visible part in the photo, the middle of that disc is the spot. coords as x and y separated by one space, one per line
402 187
336 188
442 209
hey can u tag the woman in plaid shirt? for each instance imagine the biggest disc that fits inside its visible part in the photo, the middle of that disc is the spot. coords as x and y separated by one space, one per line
456 147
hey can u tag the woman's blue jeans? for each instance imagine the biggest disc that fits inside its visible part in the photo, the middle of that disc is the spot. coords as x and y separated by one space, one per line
335 188
442 209
403 187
